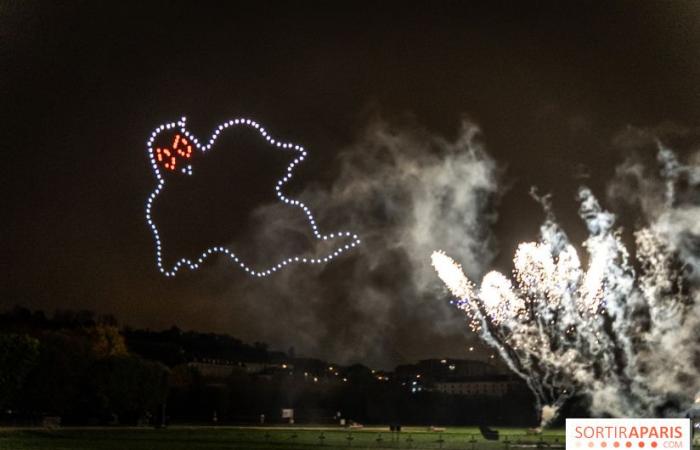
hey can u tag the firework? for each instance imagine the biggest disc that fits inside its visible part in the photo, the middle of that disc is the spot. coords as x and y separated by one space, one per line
625 335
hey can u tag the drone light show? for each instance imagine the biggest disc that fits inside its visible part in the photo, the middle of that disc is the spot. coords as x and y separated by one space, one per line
368 224
623 334
175 160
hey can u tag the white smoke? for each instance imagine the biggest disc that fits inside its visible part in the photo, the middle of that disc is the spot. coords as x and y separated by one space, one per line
626 335
404 191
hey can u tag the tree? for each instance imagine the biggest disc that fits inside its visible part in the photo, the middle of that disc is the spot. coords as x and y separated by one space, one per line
129 386
56 383
106 341
18 355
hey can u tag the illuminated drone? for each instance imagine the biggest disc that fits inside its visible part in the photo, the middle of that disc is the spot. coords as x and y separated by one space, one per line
176 158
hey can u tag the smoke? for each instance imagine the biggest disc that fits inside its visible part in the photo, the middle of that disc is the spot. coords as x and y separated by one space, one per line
404 191
667 198
624 331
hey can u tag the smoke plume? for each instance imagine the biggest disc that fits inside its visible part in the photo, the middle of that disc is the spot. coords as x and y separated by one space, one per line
404 191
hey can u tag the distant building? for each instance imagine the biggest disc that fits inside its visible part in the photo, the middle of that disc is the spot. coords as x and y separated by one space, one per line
441 370
481 388
458 377
214 368
219 368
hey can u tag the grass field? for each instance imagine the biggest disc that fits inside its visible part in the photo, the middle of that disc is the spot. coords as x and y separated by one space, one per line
280 438
210 438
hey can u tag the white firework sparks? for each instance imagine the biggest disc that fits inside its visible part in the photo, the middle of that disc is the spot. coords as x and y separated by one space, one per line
451 273
626 337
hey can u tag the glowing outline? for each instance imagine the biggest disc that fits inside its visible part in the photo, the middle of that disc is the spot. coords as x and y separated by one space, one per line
278 191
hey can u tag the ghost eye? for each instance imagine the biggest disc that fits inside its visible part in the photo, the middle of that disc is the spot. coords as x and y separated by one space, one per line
171 157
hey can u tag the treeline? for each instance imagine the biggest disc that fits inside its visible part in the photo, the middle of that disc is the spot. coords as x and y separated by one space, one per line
84 368
174 346
171 347
75 366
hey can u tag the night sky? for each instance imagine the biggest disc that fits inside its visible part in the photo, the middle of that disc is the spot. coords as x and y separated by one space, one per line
83 84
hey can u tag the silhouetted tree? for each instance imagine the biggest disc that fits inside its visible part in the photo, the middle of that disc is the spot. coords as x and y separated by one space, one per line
128 387
18 355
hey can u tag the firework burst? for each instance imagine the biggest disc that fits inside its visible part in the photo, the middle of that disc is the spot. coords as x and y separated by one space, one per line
624 334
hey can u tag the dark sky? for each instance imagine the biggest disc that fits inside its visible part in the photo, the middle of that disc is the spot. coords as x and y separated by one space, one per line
82 84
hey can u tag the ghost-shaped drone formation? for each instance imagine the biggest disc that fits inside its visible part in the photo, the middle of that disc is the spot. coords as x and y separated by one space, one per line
177 158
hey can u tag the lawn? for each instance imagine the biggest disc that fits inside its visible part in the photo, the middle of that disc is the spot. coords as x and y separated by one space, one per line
210 438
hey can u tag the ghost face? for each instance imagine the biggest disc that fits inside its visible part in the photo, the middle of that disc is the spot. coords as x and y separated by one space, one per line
175 156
